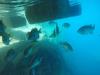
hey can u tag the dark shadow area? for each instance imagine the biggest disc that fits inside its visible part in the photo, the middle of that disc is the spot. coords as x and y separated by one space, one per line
43 58
51 10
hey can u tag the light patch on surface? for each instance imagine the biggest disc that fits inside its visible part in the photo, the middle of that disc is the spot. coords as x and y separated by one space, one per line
28 28
48 29
24 30
12 42
1 43
42 36
20 33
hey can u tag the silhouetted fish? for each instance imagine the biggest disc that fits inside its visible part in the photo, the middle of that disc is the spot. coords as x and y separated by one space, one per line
87 29
34 34
2 27
66 25
5 36
5 39
66 45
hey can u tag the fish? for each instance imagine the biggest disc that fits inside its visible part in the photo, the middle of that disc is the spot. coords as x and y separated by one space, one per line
34 34
2 27
6 39
3 34
55 32
86 29
66 25
66 45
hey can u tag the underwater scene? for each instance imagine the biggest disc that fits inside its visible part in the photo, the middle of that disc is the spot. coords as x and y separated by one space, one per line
49 37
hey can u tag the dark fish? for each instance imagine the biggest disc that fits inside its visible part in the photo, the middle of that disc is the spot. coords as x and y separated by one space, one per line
87 29
6 39
34 34
5 36
66 25
66 45
55 32
2 27
10 56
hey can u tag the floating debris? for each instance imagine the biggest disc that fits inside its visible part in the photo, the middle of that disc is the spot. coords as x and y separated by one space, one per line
87 29
66 45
